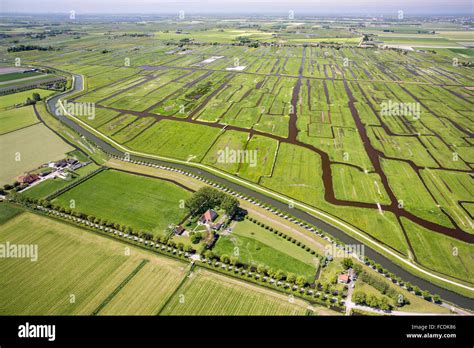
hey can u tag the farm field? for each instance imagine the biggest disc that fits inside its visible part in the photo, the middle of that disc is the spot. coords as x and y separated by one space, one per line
255 245
16 76
128 282
13 99
149 290
14 119
139 202
226 296
78 263
26 149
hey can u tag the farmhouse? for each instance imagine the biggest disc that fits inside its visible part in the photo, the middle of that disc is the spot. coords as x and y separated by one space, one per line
343 279
208 217
28 179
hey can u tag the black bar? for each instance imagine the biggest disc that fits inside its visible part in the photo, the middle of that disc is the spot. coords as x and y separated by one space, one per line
224 331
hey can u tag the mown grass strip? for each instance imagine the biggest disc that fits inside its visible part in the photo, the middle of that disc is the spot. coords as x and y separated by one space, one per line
120 287
180 285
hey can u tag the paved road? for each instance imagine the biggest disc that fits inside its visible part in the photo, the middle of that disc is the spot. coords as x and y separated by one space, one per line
448 295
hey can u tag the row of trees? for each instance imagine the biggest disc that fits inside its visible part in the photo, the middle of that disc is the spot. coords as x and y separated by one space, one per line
424 293
261 269
373 301
384 288
308 293
281 234
21 48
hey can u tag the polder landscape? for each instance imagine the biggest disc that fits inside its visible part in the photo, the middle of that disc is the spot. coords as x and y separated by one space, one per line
199 165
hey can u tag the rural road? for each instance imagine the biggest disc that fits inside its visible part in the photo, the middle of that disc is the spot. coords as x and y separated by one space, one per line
447 295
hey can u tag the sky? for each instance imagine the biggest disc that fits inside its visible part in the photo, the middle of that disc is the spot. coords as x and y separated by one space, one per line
252 7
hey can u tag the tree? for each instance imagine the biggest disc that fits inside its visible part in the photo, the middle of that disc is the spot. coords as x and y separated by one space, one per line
372 301
270 272
208 254
436 298
300 281
203 199
195 237
291 278
359 297
225 258
230 204
234 260
384 304
279 275
426 295
29 101
357 268
36 96
347 263
260 268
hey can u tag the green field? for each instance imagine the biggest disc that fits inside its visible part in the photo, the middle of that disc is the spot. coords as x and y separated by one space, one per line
226 296
172 139
7 212
28 148
11 100
148 291
18 75
255 245
445 255
355 185
91 268
139 202
14 119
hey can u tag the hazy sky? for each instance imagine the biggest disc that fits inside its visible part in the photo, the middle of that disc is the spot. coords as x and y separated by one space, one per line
256 7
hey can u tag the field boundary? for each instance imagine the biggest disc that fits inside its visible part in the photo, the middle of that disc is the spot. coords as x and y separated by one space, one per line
180 285
120 287
74 184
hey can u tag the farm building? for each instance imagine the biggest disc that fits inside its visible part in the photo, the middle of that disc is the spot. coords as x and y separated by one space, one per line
179 229
28 179
208 217
343 279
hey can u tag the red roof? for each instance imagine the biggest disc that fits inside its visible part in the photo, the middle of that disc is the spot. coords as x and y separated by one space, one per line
209 215
28 179
343 278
